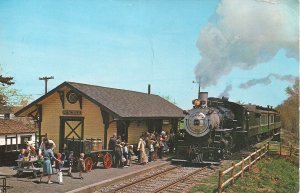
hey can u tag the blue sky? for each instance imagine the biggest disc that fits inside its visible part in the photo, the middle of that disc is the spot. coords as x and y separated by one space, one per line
123 44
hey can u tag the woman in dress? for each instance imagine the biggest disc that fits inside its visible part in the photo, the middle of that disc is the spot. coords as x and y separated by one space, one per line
47 166
141 149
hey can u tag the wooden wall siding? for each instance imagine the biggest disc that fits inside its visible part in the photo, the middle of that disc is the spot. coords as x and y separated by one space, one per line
93 123
135 130
52 110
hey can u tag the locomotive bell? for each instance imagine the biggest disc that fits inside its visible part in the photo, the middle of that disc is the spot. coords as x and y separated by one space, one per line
203 96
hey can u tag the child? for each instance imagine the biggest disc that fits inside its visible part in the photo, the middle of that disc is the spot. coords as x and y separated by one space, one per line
31 148
130 154
81 165
151 152
58 166
70 163
39 162
125 155
22 154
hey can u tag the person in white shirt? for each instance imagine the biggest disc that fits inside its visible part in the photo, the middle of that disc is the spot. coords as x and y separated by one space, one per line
42 146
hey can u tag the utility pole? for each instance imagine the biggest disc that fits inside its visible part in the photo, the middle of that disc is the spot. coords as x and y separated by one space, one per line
46 78
199 88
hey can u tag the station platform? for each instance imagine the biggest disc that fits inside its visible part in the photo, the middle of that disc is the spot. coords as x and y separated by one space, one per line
96 178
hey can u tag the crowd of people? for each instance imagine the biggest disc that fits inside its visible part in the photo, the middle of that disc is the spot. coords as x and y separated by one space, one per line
151 146
47 159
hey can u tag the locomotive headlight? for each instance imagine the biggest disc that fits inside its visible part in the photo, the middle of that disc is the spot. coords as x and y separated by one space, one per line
196 102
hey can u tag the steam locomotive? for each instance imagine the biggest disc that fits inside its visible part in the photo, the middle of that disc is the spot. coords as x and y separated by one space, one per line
215 127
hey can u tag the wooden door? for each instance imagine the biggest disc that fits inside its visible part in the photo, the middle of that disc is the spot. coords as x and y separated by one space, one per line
70 128
122 130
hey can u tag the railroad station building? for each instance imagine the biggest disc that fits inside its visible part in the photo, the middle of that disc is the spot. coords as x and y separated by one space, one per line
81 111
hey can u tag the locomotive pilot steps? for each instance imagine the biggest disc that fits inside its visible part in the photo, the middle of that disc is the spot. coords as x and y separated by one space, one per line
215 127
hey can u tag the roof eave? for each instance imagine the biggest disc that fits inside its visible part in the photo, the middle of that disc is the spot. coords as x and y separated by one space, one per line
161 117
19 113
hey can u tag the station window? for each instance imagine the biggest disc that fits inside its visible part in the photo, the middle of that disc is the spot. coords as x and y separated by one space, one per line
272 119
10 143
264 120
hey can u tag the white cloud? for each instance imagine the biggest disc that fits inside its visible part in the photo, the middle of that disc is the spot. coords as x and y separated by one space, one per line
244 34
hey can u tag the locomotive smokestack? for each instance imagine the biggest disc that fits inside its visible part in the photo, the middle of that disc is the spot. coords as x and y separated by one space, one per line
149 88
203 97
199 93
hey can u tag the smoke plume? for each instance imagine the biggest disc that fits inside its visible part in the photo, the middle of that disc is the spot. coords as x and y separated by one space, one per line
243 34
267 80
225 93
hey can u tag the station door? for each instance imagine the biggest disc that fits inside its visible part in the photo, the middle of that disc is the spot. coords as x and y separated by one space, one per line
70 128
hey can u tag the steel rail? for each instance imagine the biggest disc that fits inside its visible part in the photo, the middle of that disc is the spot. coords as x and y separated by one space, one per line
181 179
143 179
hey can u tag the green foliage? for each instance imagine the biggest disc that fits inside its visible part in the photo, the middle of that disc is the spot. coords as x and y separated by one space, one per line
12 97
6 80
269 175
276 175
289 111
8 95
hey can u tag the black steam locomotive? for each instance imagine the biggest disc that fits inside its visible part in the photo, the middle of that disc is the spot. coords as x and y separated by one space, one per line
216 127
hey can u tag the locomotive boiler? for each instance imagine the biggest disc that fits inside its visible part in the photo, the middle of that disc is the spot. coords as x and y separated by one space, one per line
215 127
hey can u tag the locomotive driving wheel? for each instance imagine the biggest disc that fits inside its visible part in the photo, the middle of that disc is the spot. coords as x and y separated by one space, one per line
88 164
107 160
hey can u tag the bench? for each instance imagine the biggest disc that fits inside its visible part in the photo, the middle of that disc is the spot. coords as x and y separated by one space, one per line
20 171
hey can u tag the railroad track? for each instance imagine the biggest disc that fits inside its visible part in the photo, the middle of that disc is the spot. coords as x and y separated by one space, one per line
131 180
168 178
186 183
172 179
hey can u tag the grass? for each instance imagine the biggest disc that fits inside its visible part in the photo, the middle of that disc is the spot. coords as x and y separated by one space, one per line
210 184
269 175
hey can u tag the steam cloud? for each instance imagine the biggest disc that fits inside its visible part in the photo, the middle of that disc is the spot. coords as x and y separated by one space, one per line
267 80
245 34
225 93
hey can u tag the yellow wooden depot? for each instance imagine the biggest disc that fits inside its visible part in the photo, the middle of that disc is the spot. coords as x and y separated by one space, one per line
82 111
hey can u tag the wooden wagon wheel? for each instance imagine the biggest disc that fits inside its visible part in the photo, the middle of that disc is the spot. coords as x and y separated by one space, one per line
88 164
107 160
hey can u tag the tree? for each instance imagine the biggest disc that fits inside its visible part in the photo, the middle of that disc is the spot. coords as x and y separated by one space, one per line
289 112
10 96
6 80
